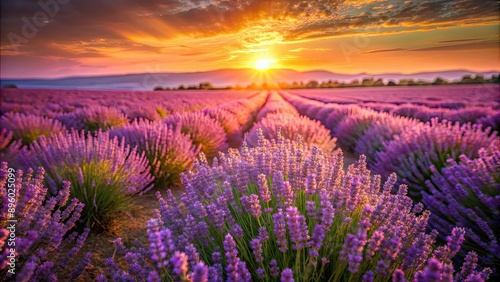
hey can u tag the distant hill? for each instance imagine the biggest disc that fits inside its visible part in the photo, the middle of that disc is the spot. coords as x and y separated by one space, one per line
219 78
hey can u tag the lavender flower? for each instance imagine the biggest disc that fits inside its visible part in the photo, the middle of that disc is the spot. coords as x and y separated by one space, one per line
463 194
256 246
251 204
28 128
180 264
93 119
273 268
280 231
275 104
203 130
287 275
232 259
354 210
297 228
415 151
40 227
291 126
169 151
200 273
111 171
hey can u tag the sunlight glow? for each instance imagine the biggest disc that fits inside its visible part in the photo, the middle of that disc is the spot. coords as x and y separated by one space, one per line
264 64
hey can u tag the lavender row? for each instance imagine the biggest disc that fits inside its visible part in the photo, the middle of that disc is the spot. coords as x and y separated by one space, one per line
445 97
278 116
158 105
420 153
277 213
107 168
476 104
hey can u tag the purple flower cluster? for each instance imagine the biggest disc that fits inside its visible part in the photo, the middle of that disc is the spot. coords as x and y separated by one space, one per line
275 104
380 132
5 138
94 118
465 194
246 110
104 172
417 151
203 131
36 239
229 123
492 121
290 127
28 128
354 224
169 151
352 127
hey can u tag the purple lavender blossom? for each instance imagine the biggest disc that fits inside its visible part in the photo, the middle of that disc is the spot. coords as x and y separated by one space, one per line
312 132
109 168
169 151
232 259
280 230
204 131
180 264
256 246
40 227
251 205
93 118
297 228
463 194
28 128
287 275
415 151
200 273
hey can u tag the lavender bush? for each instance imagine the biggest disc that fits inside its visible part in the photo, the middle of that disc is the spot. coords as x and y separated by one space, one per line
352 127
150 112
246 110
290 126
380 132
492 121
229 122
470 114
5 138
203 130
466 194
335 117
42 235
28 128
93 118
412 153
276 104
169 151
104 172
276 212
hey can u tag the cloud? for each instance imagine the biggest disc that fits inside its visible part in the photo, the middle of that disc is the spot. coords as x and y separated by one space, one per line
464 46
386 50
460 40
99 28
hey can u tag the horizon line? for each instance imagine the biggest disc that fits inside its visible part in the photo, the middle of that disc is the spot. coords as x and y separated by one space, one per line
252 69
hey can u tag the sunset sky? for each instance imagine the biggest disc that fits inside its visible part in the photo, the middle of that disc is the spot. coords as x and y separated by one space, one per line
97 37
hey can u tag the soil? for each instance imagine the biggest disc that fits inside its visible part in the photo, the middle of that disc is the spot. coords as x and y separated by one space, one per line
128 227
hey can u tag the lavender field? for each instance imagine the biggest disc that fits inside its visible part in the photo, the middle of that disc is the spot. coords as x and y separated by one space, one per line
360 184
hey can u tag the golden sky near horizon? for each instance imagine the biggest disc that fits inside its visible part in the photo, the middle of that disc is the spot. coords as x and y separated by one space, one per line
96 37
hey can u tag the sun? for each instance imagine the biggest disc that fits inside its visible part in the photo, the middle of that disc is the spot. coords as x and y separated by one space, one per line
264 64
